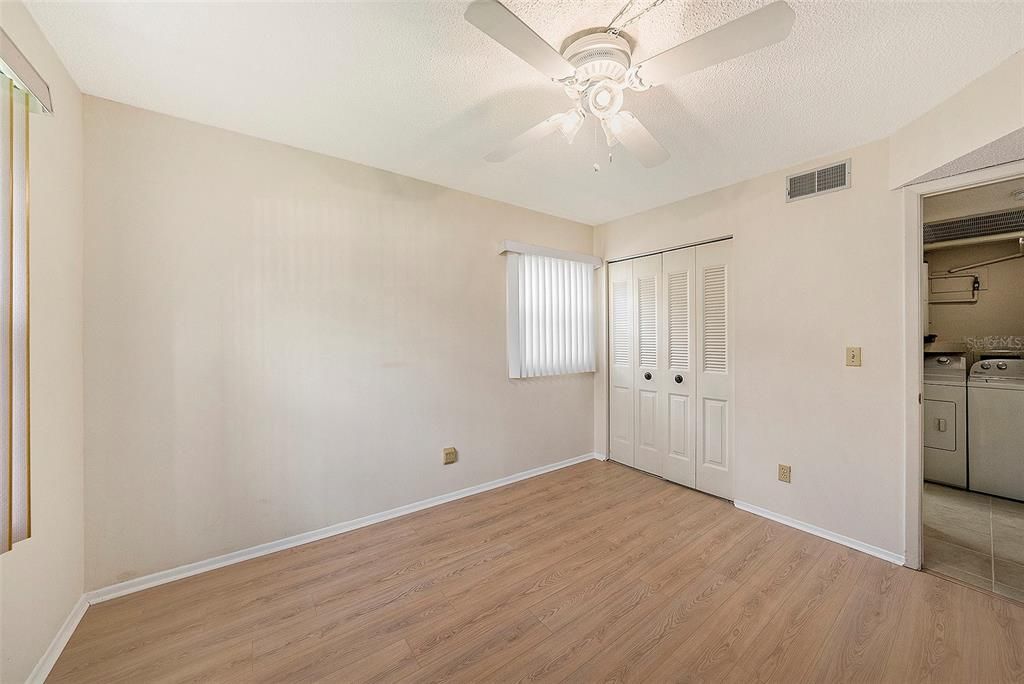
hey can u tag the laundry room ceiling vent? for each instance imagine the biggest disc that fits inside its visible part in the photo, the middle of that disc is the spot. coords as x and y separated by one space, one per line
818 181
979 225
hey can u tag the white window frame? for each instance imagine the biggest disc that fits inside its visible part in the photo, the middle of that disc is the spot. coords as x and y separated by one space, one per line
516 366
22 93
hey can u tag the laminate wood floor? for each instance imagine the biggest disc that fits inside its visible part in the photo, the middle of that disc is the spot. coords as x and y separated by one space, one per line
591 573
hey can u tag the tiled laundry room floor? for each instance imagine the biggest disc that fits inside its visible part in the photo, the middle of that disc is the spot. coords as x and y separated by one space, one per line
975 538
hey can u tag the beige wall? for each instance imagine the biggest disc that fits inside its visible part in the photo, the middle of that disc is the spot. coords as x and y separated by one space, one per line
278 341
41 579
989 108
1000 307
809 277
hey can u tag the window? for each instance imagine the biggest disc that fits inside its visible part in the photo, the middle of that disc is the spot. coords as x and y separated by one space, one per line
22 92
550 311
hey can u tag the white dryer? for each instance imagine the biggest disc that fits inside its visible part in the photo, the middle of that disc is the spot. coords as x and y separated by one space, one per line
945 419
996 406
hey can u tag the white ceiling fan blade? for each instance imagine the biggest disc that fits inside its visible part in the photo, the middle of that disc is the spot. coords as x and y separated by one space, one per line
635 137
494 19
761 28
527 138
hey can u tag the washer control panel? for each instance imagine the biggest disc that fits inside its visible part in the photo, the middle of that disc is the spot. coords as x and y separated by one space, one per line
997 370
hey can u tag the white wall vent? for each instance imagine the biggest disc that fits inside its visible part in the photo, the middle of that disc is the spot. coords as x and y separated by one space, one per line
818 181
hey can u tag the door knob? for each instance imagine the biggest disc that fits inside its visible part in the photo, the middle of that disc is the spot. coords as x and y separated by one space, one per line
679 378
647 375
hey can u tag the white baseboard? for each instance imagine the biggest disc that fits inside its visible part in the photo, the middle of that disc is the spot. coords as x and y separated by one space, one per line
42 669
823 533
183 571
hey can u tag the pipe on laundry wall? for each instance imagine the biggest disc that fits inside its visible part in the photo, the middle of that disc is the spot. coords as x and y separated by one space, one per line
989 262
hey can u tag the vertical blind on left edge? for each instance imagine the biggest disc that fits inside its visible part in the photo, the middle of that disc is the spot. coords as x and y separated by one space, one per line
15 447
550 307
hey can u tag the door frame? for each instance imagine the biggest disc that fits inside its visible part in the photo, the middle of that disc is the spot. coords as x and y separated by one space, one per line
670 249
913 197
607 332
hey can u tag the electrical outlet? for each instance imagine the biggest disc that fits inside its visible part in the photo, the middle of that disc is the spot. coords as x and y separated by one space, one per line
450 455
853 356
785 473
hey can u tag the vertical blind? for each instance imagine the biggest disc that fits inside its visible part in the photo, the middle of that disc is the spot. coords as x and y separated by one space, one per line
550 316
15 446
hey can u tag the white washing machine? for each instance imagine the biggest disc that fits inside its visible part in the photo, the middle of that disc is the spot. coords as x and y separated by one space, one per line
945 419
996 406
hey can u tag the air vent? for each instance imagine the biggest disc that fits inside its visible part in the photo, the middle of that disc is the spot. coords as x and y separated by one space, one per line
978 225
818 181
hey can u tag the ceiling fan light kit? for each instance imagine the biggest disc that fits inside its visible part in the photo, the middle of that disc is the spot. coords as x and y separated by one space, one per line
570 124
596 69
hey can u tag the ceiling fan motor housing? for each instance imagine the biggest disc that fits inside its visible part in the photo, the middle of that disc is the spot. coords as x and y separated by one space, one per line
599 56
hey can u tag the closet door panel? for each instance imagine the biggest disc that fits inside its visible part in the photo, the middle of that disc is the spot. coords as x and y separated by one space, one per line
647 421
621 363
677 271
648 381
716 434
715 382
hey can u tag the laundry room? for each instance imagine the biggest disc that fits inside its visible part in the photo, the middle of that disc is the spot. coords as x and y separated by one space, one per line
973 391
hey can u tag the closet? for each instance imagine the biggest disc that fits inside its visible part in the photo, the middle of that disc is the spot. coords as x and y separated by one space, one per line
670 363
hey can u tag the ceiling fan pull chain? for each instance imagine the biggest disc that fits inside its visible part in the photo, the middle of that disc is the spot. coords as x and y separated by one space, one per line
635 17
625 8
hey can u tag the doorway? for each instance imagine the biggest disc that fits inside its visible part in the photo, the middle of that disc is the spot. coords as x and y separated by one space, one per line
969 341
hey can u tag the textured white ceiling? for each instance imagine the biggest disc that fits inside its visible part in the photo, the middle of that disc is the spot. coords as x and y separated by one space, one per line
412 88
1009 148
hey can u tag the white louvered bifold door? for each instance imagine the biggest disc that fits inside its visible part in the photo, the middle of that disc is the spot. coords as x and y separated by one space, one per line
714 382
649 368
679 390
621 360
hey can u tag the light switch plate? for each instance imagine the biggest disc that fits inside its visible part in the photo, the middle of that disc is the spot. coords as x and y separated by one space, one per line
853 356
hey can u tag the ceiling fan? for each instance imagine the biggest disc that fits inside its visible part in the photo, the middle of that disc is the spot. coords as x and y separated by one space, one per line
597 68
